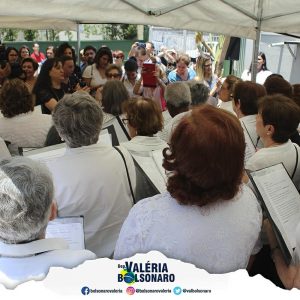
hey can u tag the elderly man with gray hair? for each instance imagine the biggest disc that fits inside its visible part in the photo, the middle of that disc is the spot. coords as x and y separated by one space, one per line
26 206
178 99
91 178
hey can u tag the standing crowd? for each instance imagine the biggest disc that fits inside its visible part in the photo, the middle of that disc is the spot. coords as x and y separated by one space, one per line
174 179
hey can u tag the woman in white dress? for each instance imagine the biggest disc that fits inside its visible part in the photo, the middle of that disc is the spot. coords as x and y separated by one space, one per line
207 217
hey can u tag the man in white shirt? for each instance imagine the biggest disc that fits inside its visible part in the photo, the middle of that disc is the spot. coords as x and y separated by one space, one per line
90 179
26 206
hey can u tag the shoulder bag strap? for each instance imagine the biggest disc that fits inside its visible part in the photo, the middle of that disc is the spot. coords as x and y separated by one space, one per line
296 165
123 128
128 177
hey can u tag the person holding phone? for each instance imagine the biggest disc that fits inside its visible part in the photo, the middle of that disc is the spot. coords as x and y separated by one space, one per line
152 83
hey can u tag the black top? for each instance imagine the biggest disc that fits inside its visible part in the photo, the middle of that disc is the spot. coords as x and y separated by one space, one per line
44 96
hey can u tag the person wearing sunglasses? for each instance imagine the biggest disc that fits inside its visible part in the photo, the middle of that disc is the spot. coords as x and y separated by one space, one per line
113 72
118 56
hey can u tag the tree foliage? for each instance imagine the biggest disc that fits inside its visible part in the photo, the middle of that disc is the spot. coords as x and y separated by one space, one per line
119 32
30 35
52 35
8 34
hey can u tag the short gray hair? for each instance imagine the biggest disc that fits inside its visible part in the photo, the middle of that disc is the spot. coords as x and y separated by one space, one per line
78 119
199 92
26 194
178 94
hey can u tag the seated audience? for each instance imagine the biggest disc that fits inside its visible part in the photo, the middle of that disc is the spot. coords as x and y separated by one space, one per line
21 125
207 217
277 119
90 179
245 105
144 119
26 206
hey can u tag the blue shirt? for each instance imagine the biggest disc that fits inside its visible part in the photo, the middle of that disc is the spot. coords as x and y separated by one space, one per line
173 76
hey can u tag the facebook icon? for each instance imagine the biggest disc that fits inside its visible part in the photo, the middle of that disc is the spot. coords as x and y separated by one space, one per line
85 290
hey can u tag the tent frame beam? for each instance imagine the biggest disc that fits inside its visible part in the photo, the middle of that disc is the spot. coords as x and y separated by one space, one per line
162 11
256 42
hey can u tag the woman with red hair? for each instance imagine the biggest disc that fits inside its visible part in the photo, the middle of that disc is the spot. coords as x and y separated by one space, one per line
207 217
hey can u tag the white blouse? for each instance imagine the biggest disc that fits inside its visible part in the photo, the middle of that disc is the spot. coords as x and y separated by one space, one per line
219 238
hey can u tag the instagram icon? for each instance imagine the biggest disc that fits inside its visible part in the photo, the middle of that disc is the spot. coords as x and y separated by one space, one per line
130 290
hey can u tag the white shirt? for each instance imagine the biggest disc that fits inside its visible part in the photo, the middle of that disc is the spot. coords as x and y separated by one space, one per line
129 86
92 181
25 130
23 262
219 238
91 72
285 153
170 126
227 106
147 151
261 76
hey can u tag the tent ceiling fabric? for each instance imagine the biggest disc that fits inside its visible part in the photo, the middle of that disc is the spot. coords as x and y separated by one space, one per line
231 17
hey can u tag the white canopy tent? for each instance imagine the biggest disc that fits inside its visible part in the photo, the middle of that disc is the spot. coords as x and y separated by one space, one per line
241 18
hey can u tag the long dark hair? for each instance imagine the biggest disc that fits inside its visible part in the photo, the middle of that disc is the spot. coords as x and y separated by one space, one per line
264 66
43 81
103 51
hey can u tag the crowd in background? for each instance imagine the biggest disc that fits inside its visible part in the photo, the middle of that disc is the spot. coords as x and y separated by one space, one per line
189 126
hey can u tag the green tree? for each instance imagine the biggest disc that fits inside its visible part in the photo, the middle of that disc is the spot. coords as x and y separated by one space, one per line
8 34
119 31
52 35
92 29
30 35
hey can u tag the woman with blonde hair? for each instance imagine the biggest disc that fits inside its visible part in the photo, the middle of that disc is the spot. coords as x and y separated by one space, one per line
205 74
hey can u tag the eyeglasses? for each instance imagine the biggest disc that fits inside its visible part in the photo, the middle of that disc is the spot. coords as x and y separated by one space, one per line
125 121
113 75
119 57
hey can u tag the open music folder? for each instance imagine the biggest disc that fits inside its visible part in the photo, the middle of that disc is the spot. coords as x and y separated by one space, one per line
281 201
68 228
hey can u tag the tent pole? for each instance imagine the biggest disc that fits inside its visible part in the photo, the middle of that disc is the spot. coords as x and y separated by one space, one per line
256 42
78 43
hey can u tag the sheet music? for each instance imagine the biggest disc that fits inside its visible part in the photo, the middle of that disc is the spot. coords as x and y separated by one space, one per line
281 199
152 166
70 229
